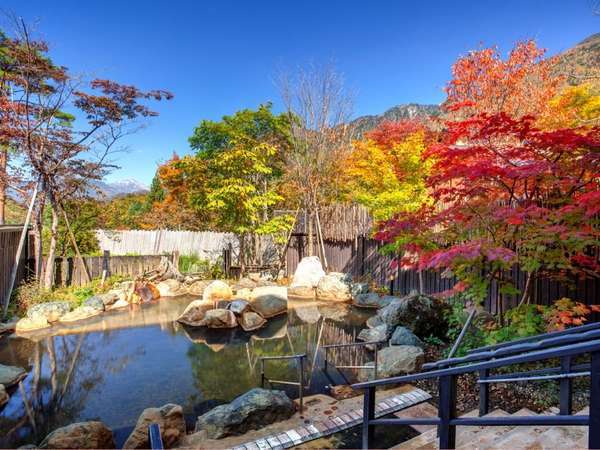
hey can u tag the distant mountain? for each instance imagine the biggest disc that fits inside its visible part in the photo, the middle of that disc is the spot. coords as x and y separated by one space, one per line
399 112
581 63
122 187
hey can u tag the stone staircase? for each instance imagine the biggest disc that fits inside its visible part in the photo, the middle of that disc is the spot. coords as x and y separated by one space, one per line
507 437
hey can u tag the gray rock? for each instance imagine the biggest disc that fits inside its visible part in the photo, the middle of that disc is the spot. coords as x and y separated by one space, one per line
238 306
359 288
378 333
370 300
50 311
403 336
172 426
334 286
399 360
11 375
250 411
269 301
309 272
250 321
80 435
95 302
171 288
110 297
422 314
245 283
374 321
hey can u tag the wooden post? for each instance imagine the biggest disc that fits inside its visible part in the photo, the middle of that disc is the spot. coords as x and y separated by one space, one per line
447 411
176 259
75 246
368 415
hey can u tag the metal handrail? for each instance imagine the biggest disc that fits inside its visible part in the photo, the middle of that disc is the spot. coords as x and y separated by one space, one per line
537 337
353 344
447 419
300 383
154 437
549 342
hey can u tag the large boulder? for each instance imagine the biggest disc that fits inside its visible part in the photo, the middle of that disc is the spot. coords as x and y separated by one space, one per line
219 318
373 321
376 334
217 290
334 286
172 426
370 300
11 375
250 411
399 360
26 324
110 297
308 273
80 313
250 321
244 293
197 287
358 289
194 313
269 301
422 314
403 336
80 435
171 288
50 311
147 291
245 283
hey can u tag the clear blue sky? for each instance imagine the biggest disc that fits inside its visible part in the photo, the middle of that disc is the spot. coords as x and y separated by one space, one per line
221 56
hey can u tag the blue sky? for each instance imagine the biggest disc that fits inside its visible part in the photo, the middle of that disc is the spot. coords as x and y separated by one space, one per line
221 56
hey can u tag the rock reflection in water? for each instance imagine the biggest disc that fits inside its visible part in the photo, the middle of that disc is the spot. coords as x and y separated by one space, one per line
113 366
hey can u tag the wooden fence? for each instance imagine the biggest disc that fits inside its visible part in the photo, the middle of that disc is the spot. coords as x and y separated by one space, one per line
9 241
70 272
362 259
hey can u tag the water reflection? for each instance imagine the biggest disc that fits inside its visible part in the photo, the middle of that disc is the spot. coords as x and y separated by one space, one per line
111 367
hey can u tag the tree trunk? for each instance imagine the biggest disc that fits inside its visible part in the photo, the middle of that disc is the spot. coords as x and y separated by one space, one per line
242 254
421 283
49 271
310 234
3 183
37 234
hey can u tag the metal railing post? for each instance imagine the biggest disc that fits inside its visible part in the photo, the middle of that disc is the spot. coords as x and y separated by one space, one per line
301 380
594 417
484 393
447 411
326 355
376 358
566 386
368 415
154 437
262 373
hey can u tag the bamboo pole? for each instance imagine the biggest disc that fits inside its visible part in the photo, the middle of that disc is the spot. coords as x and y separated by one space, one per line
75 246
320 237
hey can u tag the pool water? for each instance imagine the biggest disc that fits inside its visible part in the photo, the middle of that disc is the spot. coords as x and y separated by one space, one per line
111 367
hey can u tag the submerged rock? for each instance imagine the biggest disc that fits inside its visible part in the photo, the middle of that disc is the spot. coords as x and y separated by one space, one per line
171 288
334 286
219 318
217 290
172 426
269 301
194 313
11 375
80 435
250 411
403 336
250 321
50 311
309 272
80 313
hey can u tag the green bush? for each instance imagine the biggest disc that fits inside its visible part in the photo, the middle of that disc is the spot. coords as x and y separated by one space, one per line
202 266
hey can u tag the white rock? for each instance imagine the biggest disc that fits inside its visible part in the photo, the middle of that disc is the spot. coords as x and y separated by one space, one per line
308 272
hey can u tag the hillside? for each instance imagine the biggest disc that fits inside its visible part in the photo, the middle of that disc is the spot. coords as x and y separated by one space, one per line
399 112
581 63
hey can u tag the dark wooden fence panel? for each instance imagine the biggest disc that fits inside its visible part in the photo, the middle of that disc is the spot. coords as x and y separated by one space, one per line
9 241
363 260
70 272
